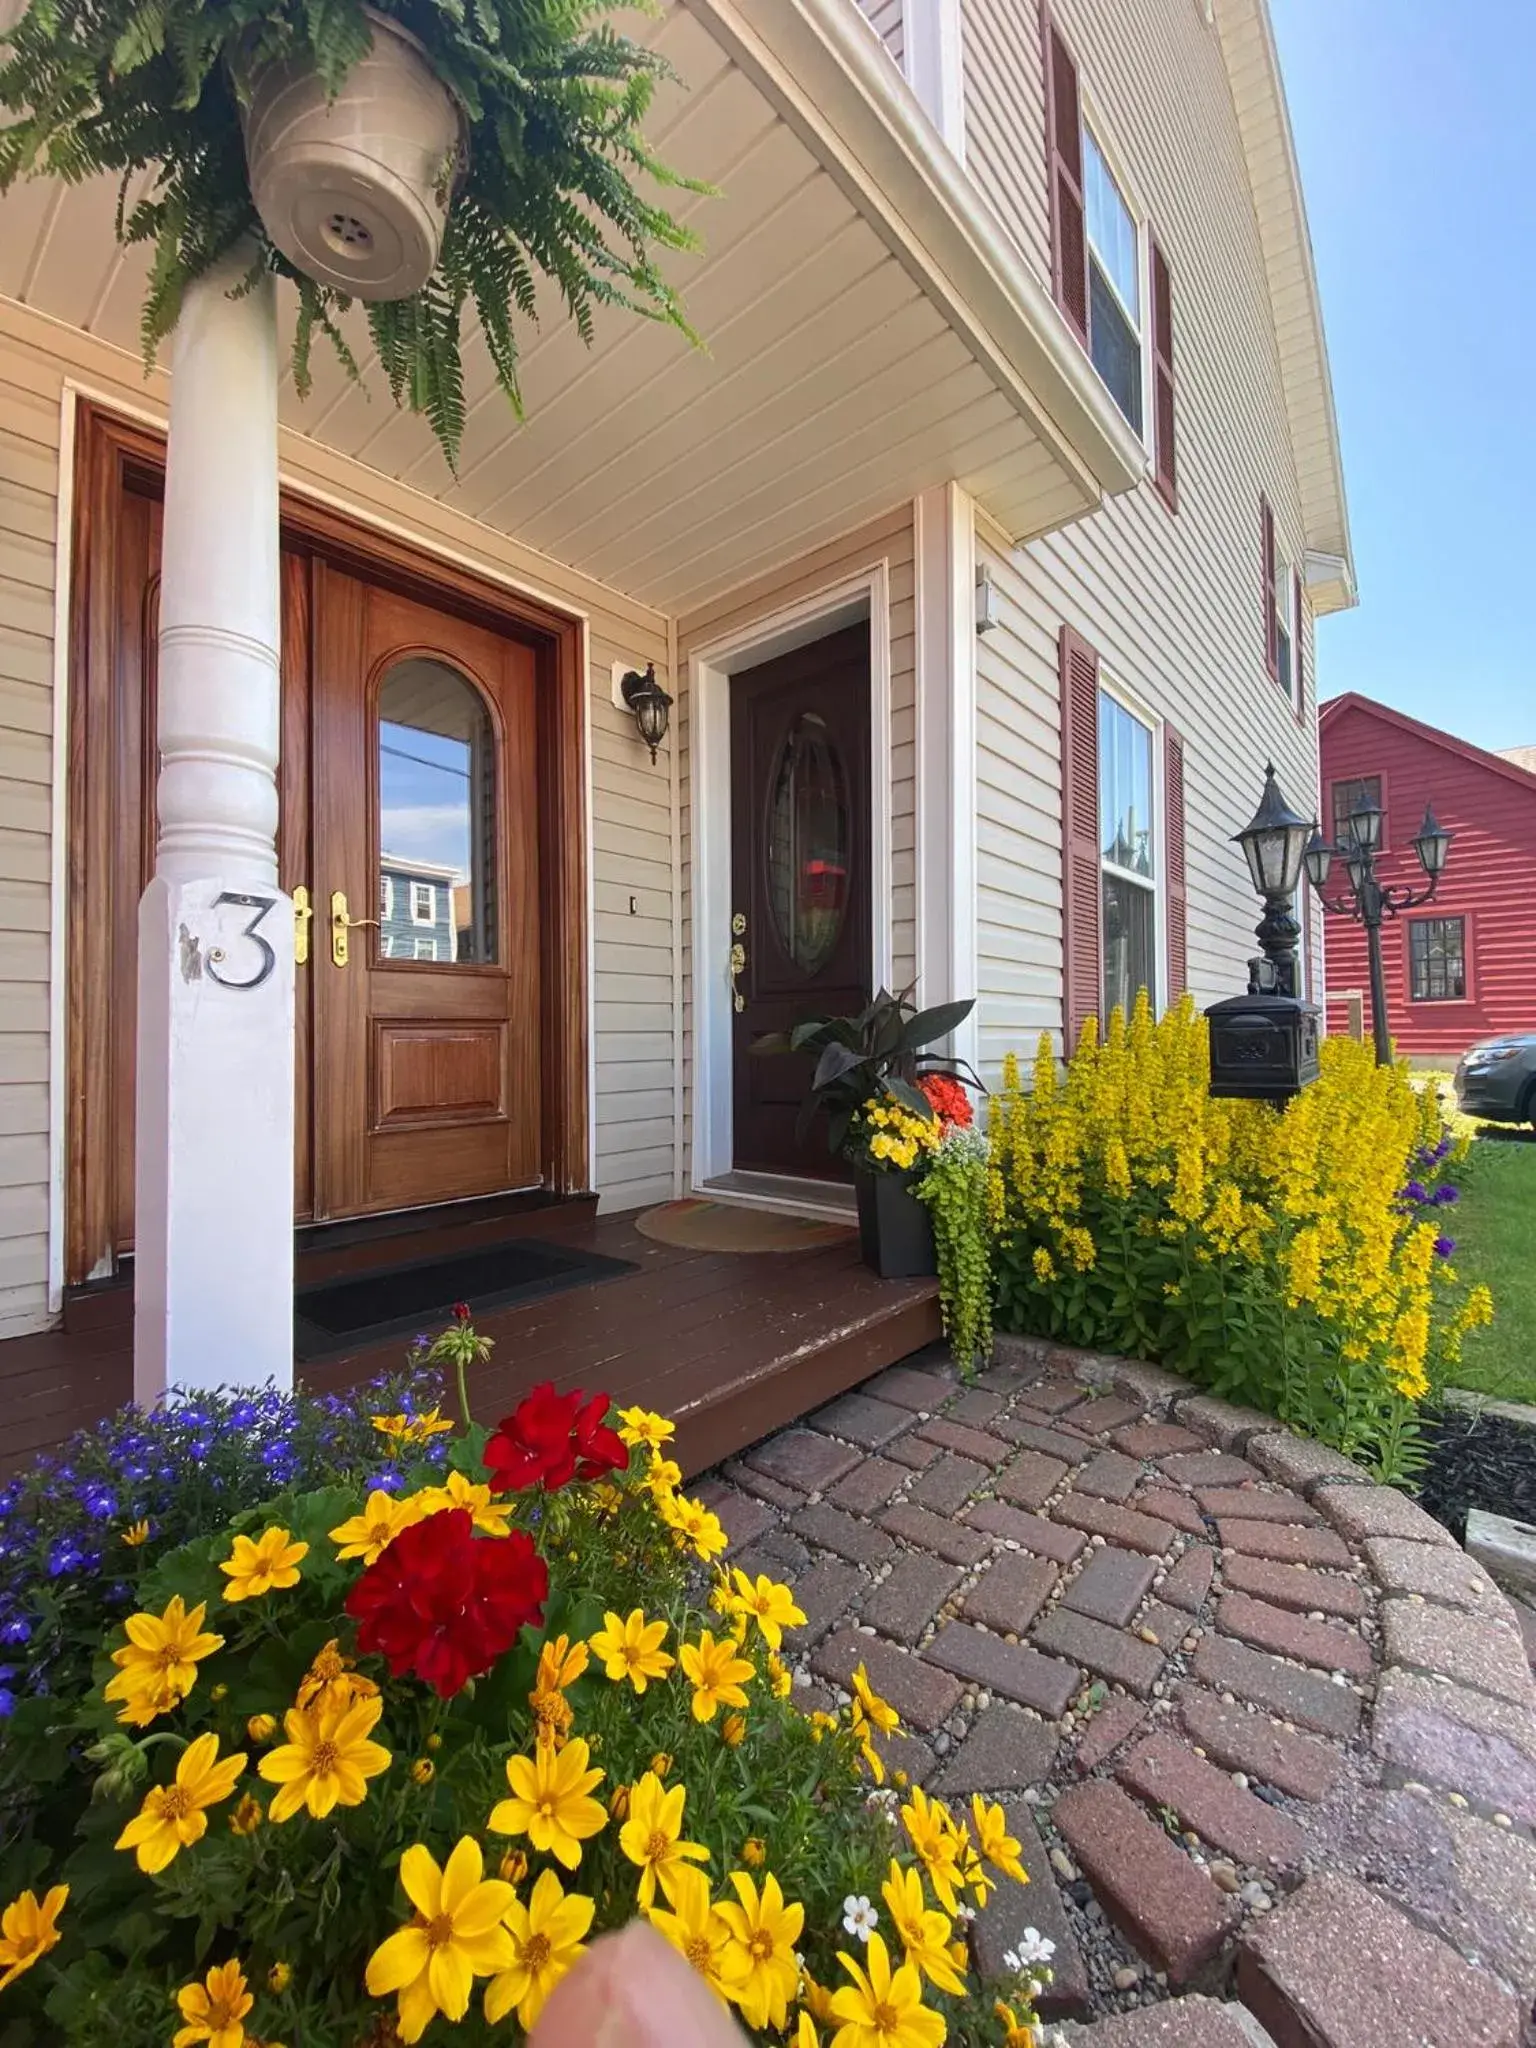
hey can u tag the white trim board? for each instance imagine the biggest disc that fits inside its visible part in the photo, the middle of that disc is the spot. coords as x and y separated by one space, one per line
864 595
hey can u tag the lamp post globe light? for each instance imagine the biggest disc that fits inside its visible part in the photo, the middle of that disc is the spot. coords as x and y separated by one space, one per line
1371 901
1264 1044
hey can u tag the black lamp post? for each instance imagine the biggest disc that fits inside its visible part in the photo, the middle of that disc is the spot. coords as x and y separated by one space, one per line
1264 1044
1370 900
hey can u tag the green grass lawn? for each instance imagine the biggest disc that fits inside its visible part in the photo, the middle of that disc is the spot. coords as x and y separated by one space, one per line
1494 1225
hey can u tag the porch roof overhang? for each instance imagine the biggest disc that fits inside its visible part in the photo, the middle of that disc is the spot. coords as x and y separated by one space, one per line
869 331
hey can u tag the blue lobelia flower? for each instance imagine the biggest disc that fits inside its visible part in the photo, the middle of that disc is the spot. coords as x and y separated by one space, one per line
1415 1191
1444 1195
1444 1246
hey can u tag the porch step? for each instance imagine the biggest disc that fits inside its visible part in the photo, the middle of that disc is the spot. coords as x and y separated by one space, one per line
99 1305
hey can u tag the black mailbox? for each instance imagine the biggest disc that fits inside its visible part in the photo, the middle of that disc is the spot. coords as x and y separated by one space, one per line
1263 1047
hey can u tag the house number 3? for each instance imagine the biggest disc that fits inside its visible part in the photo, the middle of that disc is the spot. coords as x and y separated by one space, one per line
267 958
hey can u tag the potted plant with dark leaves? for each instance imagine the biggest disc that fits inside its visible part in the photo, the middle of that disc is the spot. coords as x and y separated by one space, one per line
424 157
870 1081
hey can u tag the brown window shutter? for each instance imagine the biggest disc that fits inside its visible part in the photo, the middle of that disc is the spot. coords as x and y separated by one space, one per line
1298 657
1082 899
1166 472
1173 866
1271 631
1064 173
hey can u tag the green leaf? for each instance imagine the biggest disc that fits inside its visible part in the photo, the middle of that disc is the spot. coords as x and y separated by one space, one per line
143 38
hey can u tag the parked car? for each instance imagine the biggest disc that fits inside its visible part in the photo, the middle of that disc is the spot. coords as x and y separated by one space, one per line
1497 1079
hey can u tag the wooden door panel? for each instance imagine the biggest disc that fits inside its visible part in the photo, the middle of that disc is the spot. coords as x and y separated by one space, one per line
438 1074
801 879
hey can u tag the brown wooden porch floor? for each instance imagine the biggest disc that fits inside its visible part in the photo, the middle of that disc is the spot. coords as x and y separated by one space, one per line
732 1346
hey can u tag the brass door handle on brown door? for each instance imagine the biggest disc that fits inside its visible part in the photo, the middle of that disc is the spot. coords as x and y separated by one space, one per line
737 961
341 924
303 912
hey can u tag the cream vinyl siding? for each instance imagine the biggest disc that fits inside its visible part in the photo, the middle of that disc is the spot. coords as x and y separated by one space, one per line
1172 604
888 540
888 19
634 1042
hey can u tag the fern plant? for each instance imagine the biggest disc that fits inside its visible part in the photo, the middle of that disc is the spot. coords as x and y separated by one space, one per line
552 101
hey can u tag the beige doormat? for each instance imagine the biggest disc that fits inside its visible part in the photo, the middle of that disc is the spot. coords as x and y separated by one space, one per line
698 1225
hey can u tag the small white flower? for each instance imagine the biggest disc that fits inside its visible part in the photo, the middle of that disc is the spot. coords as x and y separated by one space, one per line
1034 1947
1012 1961
965 1913
859 1917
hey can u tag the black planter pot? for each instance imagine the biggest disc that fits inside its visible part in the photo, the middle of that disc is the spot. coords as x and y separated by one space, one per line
895 1229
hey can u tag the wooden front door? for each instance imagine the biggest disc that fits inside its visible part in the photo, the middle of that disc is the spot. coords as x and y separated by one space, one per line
426 1038
800 879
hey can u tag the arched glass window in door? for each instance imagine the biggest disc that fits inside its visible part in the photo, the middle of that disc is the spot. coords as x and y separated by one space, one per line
809 843
437 817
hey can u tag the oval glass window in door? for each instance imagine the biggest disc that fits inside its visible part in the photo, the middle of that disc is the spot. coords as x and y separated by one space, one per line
437 817
809 843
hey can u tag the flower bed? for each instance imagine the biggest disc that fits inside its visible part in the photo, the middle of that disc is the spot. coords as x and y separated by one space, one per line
367 1766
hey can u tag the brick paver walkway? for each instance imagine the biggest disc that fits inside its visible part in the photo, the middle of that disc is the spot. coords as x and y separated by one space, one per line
1267 1733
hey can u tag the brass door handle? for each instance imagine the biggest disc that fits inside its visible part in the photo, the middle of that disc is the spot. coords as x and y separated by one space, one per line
303 912
738 961
341 924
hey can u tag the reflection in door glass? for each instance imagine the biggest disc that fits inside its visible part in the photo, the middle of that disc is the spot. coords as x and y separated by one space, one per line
808 844
437 817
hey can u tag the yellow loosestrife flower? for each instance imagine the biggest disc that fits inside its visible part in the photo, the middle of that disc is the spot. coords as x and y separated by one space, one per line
695 1525
455 1935
330 1680
761 1963
369 1534
174 1816
214 2011
411 1429
157 1666
924 1934
551 1801
699 1931
327 1760
652 1836
882 2007
490 1515
769 1604
29 1927
632 1648
547 1937
932 1833
269 1564
716 1673
989 1824
642 1426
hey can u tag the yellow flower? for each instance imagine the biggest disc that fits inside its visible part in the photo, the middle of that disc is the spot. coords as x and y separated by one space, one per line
642 1426
279 1977
174 1816
733 1730
932 1833
261 1727
560 1665
663 1478
411 1429
1015 2033
247 1816
805 2032
214 2010
879 1711
696 1526
330 1680
490 1515
135 1534
822 1724
652 1836
764 1931
28 1929
780 1681
770 1605
632 1649
816 1998
267 1565
716 1674
753 1852
698 1930
327 1759
370 1534
546 1937
513 1867
882 2007
157 1666
618 1803
661 1763
551 1801
990 1825
455 1935
423 1771
923 1933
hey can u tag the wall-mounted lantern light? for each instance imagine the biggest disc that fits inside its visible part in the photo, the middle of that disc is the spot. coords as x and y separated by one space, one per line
650 704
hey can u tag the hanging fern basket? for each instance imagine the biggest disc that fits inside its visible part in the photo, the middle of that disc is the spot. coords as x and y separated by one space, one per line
354 188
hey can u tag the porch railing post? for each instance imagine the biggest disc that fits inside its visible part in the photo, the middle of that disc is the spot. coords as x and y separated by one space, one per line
213 1264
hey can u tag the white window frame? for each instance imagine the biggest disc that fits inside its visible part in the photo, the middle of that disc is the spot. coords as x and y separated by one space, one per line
1156 884
386 896
431 948
416 915
1286 621
1092 126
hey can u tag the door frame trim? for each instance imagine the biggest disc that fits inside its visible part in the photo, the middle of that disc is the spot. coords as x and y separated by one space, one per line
111 448
864 595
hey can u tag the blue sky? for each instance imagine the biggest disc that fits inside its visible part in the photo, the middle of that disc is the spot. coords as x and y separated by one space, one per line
1417 143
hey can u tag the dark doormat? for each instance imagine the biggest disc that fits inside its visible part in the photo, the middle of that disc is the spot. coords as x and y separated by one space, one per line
399 1300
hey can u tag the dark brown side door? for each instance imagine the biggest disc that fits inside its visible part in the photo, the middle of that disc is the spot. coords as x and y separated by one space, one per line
800 879
426 820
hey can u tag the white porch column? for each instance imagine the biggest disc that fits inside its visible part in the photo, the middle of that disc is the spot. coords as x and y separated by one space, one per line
944 547
935 66
213 1267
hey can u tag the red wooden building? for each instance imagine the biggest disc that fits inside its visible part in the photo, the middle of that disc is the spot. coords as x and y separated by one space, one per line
1463 967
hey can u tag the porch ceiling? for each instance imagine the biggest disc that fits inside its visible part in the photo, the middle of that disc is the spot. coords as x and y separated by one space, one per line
868 334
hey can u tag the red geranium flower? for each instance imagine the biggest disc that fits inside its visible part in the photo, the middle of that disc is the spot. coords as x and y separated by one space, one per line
948 1101
444 1604
550 1439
